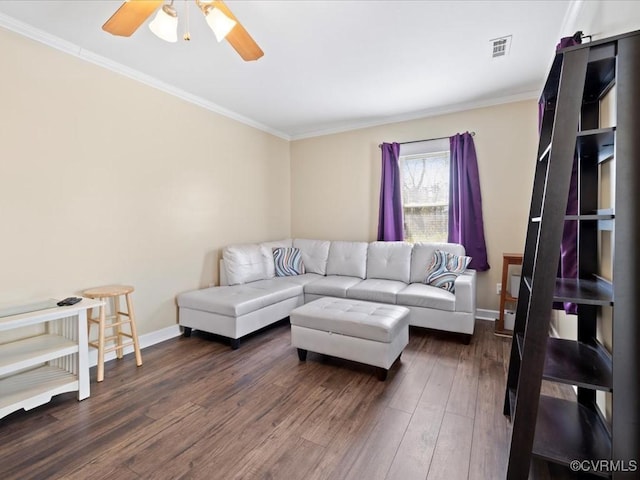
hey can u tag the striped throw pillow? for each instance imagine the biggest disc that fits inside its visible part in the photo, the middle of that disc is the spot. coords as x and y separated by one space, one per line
444 269
288 262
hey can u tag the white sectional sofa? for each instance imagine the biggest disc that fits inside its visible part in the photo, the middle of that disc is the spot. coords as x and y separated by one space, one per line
252 296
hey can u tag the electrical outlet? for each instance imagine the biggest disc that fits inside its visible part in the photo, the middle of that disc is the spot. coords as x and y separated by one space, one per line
498 288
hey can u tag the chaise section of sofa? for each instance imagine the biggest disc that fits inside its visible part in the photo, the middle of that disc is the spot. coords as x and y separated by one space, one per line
235 311
251 296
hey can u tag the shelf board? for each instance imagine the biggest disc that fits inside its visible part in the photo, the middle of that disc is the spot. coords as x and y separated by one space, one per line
40 316
599 216
34 387
567 431
575 363
579 364
596 144
593 216
33 351
28 307
583 291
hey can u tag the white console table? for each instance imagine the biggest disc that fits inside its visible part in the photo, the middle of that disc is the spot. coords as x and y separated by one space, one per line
34 369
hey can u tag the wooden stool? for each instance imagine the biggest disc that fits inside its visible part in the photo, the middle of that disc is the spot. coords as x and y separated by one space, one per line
115 323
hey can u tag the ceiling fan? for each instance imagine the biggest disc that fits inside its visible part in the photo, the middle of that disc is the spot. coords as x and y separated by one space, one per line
132 13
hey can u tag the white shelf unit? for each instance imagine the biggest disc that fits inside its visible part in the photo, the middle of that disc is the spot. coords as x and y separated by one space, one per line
34 369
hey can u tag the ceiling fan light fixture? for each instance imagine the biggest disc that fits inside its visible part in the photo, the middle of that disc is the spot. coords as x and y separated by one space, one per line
219 23
165 24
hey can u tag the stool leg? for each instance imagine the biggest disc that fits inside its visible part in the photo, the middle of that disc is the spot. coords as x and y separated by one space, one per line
101 343
134 332
118 329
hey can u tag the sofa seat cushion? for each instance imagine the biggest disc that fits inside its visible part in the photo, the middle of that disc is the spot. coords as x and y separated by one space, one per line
376 290
421 295
354 318
331 286
237 300
303 279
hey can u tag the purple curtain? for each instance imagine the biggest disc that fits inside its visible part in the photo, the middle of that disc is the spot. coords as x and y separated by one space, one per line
390 223
465 202
568 267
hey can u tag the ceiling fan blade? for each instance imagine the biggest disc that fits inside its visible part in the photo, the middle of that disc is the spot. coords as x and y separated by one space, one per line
239 38
130 16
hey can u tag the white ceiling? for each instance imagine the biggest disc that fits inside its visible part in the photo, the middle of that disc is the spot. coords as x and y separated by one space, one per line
329 65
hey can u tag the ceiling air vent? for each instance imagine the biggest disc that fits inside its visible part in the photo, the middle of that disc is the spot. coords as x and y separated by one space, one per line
501 46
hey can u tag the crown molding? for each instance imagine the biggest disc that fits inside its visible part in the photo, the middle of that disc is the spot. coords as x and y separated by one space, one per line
70 48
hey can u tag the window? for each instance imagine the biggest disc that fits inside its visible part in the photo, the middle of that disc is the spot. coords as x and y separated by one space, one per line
425 193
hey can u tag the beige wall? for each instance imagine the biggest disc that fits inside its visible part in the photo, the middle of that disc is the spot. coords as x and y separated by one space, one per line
106 180
103 179
336 179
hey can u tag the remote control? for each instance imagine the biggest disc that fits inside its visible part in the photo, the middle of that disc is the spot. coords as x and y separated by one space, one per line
69 301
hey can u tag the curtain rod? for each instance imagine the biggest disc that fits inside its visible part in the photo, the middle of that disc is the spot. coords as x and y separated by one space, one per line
473 134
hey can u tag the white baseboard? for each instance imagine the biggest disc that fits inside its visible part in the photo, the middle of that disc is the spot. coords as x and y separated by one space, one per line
145 340
483 314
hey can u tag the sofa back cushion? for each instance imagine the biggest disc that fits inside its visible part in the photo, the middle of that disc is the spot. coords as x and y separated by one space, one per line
389 260
314 254
422 255
247 263
348 259
268 251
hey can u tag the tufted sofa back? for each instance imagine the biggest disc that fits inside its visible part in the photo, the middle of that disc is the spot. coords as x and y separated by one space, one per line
348 259
400 261
389 260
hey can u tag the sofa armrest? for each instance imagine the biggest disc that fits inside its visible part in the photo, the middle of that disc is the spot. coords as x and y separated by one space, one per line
222 273
466 292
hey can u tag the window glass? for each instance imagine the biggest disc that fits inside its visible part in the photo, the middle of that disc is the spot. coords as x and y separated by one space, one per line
425 196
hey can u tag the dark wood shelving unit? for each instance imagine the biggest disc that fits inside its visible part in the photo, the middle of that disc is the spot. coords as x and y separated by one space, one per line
596 143
557 430
569 430
576 363
585 291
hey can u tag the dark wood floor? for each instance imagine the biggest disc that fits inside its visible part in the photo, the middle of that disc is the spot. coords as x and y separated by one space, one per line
198 410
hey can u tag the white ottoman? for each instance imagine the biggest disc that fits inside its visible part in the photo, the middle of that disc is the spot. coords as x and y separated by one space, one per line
365 332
